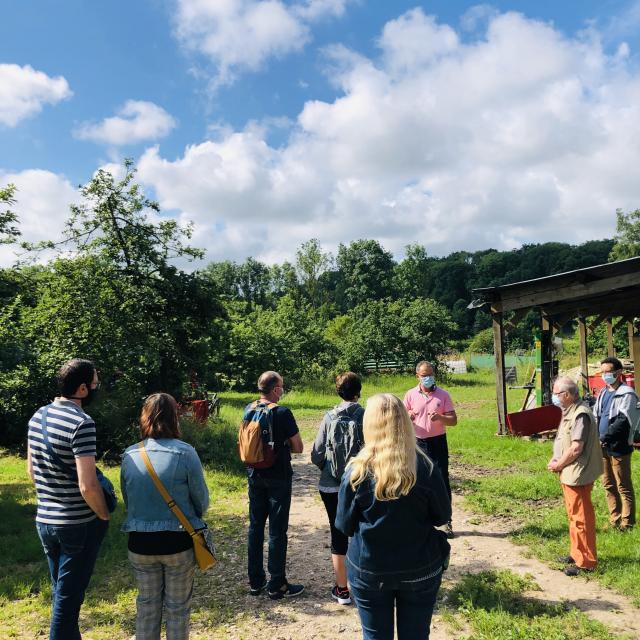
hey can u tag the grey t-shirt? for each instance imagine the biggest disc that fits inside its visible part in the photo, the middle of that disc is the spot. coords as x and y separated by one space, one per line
578 432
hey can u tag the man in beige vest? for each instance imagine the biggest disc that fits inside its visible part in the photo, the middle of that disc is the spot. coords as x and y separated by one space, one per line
578 460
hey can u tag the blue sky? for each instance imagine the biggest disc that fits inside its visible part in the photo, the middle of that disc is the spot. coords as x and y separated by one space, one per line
455 124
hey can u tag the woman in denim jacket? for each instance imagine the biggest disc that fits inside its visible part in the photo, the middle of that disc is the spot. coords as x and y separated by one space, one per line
160 550
391 499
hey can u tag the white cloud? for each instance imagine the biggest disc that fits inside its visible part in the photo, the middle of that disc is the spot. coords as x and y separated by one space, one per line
42 205
136 121
24 91
241 35
522 134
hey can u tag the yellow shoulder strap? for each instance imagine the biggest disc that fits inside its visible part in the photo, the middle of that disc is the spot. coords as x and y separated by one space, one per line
171 503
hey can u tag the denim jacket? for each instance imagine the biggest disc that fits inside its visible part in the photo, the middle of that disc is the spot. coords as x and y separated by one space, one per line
395 539
179 468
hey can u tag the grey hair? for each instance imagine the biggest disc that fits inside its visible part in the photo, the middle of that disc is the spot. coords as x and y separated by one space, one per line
268 381
424 363
567 384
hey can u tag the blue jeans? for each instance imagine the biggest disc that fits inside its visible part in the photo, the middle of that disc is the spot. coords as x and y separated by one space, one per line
412 601
71 552
268 498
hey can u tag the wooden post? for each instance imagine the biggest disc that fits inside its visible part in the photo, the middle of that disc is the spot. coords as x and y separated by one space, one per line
584 355
610 348
498 351
634 353
546 369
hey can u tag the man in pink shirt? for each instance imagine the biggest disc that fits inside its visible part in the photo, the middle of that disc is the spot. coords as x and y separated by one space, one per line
431 411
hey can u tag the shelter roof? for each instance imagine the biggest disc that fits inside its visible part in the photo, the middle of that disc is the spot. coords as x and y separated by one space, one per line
611 289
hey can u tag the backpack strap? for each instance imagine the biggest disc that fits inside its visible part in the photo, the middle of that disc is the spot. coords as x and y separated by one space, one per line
171 503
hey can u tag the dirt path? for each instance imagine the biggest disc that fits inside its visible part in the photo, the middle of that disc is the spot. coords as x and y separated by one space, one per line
479 545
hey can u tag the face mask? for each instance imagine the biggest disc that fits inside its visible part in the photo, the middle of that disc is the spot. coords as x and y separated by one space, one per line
556 400
609 378
428 381
89 398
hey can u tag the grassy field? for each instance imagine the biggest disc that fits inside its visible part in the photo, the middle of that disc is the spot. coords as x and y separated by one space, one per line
504 477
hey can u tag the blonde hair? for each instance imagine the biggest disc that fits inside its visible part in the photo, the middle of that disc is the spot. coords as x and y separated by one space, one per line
390 453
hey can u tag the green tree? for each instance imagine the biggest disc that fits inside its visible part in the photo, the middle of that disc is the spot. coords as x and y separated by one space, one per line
627 238
412 276
366 271
405 330
311 263
8 232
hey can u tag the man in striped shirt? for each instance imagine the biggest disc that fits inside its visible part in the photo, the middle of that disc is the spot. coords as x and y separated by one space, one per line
72 516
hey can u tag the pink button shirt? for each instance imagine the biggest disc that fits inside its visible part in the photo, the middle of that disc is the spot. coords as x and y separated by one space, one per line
421 405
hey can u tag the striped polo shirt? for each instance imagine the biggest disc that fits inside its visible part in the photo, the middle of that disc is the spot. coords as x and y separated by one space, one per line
72 434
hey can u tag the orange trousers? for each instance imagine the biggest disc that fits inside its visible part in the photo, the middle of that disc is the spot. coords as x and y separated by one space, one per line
582 524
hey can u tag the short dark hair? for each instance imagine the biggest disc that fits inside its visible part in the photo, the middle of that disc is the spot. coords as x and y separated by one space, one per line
268 381
74 373
159 417
348 385
614 361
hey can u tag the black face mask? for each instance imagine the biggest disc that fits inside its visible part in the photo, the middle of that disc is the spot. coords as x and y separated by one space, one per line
89 398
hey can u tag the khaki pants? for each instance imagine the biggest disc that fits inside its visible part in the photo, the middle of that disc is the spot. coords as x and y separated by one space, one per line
618 486
582 524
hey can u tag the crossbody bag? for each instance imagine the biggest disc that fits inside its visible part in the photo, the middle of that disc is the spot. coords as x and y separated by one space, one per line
203 546
107 486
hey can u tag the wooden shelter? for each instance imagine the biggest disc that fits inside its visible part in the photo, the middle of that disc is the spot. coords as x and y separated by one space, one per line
604 293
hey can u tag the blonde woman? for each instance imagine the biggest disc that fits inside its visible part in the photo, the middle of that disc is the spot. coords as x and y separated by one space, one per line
391 499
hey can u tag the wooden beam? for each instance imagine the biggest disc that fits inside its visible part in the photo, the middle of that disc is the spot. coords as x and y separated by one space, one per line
584 355
550 292
621 322
615 304
630 335
597 321
497 322
610 348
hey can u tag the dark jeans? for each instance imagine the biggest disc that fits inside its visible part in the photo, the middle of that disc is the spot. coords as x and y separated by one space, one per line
339 542
411 601
268 498
71 552
438 450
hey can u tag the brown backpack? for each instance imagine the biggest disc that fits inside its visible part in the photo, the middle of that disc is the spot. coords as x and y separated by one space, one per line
255 435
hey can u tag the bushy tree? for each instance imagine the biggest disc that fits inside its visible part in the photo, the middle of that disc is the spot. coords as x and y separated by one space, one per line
288 339
366 272
627 238
405 330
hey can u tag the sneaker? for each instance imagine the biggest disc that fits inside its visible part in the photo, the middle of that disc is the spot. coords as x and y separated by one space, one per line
573 571
566 560
287 591
448 530
341 594
256 591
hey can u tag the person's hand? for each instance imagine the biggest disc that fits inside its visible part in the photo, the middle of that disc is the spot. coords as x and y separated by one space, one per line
412 415
553 465
437 416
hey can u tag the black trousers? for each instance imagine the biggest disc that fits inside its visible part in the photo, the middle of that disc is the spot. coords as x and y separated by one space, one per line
438 450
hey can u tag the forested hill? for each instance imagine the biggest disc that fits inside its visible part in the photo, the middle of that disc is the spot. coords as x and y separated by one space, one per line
363 271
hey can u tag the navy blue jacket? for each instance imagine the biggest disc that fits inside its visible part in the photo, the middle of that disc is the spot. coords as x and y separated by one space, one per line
396 539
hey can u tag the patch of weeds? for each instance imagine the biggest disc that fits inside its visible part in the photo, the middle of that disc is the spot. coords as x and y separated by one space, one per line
493 606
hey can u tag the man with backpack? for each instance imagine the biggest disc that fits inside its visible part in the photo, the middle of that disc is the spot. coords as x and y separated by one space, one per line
339 439
72 516
617 415
267 437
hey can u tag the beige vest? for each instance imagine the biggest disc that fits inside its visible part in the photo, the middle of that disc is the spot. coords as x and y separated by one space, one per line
587 467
